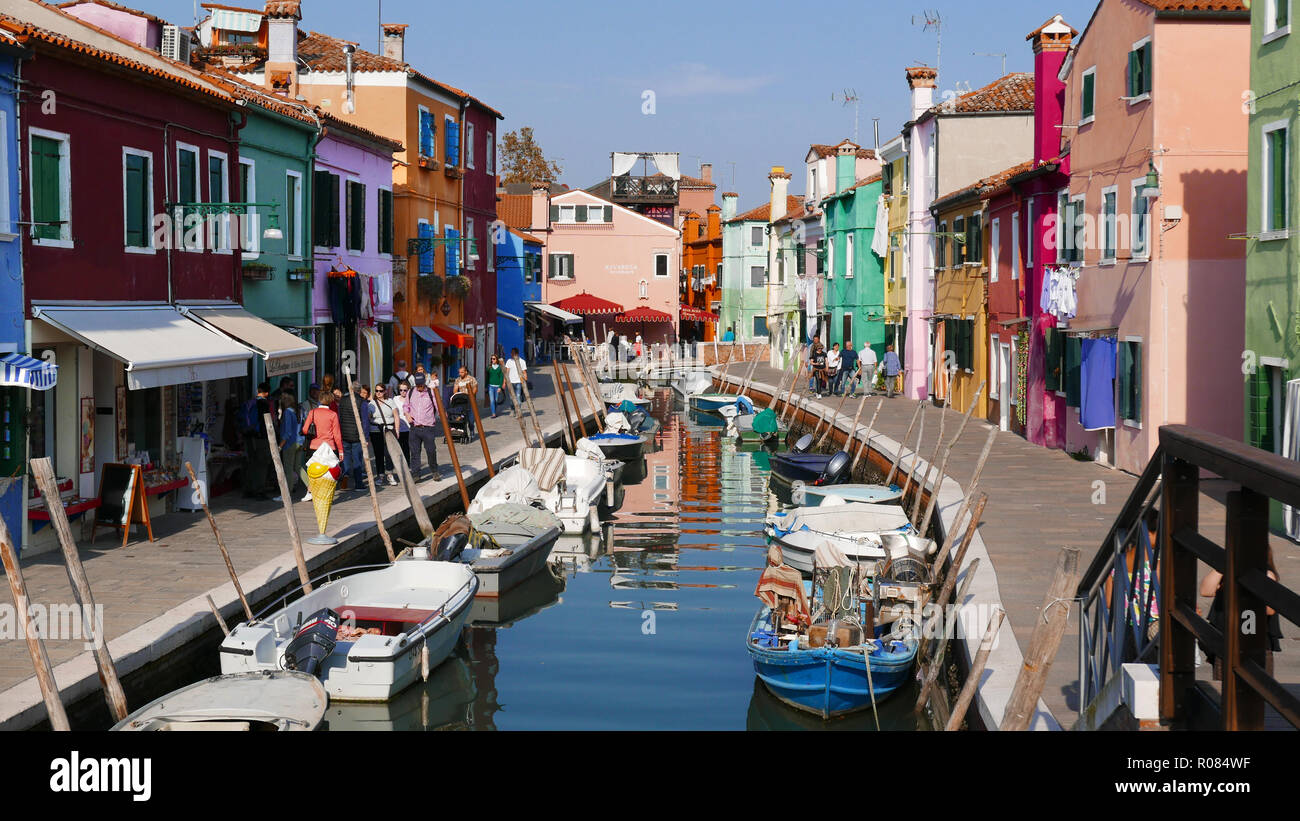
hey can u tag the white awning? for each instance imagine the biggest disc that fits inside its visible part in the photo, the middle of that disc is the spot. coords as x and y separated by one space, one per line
231 20
554 312
282 352
158 345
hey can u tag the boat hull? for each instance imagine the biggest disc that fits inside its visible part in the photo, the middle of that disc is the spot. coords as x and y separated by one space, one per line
799 467
809 495
710 402
493 580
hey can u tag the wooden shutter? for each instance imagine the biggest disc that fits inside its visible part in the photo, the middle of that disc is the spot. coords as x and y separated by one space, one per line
385 222
1052 365
609 213
580 213
334 211
1073 371
137 201
1278 179
555 213
320 208
1089 93
426 249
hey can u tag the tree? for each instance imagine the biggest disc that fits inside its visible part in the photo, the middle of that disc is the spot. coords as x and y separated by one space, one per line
522 159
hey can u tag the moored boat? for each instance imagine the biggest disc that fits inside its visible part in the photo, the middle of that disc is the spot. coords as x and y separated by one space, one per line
571 487
858 530
274 700
625 446
504 545
804 494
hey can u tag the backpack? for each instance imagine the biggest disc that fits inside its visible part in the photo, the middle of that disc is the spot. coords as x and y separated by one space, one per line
247 417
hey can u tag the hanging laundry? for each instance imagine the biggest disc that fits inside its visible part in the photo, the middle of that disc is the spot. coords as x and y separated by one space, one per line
1097 383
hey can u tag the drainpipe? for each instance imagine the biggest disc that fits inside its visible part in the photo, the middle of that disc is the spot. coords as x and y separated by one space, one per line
464 139
309 196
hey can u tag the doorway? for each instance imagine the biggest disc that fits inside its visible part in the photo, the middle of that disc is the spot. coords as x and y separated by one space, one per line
1004 385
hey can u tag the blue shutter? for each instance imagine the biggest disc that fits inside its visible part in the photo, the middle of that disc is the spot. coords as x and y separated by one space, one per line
453 142
453 253
426 253
426 133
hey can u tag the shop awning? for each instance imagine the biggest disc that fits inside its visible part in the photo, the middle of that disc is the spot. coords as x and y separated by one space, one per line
21 371
554 312
692 314
158 345
454 336
586 304
426 333
644 314
282 352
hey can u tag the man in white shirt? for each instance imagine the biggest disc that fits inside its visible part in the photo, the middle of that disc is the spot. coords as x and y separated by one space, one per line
516 372
867 367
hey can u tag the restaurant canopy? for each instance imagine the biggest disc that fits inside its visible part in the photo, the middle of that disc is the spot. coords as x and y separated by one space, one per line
588 305
691 314
644 314
282 352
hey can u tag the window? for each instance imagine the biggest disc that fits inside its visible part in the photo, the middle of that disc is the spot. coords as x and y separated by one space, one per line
1030 237
940 249
661 265
1277 20
1139 71
219 191
471 247
1276 213
757 276
1072 236
961 250
1015 246
137 199
451 141
325 196
812 184
187 190
760 326
1128 372
426 232
756 236
821 256
975 239
1109 207
428 132
355 204
830 258
847 329
800 259
561 266
1054 355
293 215
250 234
1088 96
1140 227
469 145
385 221
995 362
848 257
491 149
1071 376
994 239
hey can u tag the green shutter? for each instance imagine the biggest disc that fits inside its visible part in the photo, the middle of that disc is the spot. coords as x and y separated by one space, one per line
1089 94
1282 14
1135 381
609 213
1278 179
137 201
1123 371
334 211
1073 371
1052 363
1134 61
46 204
580 213
555 213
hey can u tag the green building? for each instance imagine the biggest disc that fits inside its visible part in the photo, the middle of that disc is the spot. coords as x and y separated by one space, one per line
1272 345
855 276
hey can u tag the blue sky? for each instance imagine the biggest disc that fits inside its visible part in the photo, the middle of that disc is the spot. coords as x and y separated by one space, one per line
747 83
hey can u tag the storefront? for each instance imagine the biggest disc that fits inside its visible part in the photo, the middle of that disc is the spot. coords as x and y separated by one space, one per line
19 376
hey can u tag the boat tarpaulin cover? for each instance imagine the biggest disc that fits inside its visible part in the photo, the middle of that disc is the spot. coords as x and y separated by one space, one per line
515 519
545 464
616 423
780 579
513 485
765 421
827 554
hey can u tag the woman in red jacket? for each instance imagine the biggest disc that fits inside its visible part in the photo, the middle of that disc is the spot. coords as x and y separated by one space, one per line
326 419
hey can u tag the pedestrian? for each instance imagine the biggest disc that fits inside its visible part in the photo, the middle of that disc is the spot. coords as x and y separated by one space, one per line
403 420
290 435
353 454
422 409
730 335
321 427
312 400
849 374
818 369
867 366
257 450
495 378
516 372
892 369
465 383
399 376
384 415
833 368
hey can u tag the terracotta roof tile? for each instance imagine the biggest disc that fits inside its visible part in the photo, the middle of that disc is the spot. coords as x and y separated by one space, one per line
763 212
696 182
1196 5
525 236
284 8
824 151
515 210
1014 92
340 124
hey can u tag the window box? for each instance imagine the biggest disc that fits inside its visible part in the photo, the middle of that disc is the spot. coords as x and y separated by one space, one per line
453 172
301 275
429 288
428 163
257 271
459 286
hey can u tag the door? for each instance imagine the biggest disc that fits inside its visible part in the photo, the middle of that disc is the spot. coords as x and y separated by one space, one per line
105 429
1004 385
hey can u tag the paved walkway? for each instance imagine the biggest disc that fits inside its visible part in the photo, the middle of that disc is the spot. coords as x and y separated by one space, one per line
149 587
1041 500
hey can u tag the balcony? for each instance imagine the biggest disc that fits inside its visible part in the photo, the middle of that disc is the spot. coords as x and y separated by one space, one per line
656 189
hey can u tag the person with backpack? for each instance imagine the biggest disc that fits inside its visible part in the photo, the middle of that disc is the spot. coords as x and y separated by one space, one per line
352 406
422 409
400 377
290 435
321 427
384 417
257 450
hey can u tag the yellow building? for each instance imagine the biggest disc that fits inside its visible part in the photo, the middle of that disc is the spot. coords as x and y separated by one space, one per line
960 299
894 172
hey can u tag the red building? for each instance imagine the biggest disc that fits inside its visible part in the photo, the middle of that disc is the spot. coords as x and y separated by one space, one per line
701 282
479 205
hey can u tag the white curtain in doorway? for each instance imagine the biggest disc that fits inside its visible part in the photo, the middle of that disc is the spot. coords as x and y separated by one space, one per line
1291 450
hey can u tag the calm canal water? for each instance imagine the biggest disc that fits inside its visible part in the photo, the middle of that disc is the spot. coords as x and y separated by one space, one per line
642 625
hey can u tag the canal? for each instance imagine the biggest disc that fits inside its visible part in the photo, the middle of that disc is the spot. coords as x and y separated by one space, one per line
640 626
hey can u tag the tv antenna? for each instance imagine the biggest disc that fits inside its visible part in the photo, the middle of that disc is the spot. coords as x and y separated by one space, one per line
1001 54
850 97
931 21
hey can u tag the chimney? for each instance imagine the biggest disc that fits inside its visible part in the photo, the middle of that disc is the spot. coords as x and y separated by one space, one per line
395 41
780 186
730 200
540 219
281 70
713 228
846 165
706 171
1051 43
921 81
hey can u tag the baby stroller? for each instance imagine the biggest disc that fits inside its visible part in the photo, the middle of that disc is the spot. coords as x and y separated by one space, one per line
460 417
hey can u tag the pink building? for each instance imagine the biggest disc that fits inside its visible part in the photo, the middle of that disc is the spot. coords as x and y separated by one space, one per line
1158 328
613 253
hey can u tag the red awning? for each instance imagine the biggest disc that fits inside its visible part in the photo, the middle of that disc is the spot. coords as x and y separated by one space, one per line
644 314
453 336
586 304
690 314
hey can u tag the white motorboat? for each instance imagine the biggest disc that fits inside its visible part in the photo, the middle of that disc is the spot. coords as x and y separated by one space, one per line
809 495
570 487
692 383
857 529
504 545
275 700
616 393
367 634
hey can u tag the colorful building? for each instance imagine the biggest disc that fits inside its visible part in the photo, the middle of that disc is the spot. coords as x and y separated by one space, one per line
744 268
894 178
1157 170
14 384
701 290
855 281
479 198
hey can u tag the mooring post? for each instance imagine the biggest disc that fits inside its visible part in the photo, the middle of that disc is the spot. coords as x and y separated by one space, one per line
35 644
221 544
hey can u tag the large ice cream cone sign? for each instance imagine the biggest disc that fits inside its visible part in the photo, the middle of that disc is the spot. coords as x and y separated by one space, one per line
323 471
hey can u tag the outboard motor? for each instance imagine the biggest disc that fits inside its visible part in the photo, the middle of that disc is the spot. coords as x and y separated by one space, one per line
313 643
636 420
835 470
450 547
803 444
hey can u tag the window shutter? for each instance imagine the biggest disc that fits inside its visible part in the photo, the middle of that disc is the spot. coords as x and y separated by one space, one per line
137 197
1073 372
361 217
426 251
800 259
1052 371
1124 374
555 213
1089 81
320 208
580 213
334 211
1133 63
609 213
1146 68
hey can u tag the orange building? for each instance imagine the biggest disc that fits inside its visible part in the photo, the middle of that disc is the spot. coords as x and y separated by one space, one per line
701 282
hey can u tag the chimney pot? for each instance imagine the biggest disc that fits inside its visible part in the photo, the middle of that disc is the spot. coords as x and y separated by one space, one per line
395 41
706 171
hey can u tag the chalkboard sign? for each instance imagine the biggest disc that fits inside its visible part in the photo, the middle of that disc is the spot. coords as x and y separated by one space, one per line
121 500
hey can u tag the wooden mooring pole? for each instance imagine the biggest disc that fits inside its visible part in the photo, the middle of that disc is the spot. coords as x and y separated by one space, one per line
1045 642
408 482
221 544
866 442
976 672
35 644
287 501
943 464
355 402
934 668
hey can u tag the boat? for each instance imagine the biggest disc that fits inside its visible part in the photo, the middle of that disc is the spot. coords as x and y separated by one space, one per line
367 634
748 427
630 418
535 594
445 701
625 446
806 495
709 402
571 487
692 382
857 529
616 393
832 657
503 545
264 700
810 468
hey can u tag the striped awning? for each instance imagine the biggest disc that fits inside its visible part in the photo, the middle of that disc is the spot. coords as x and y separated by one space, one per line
19 370
644 314
231 20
